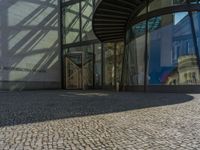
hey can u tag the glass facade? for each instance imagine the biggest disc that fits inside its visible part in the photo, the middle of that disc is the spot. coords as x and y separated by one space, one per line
158 4
135 55
101 63
71 22
98 65
109 64
86 18
164 49
161 49
172 58
119 61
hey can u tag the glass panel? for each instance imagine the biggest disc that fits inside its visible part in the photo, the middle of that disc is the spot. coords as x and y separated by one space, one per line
79 66
119 60
172 59
196 19
88 66
74 49
66 0
109 64
194 1
71 24
157 4
73 71
135 53
142 12
98 65
87 11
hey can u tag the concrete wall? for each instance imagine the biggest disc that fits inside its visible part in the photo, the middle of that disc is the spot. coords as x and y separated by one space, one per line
29 44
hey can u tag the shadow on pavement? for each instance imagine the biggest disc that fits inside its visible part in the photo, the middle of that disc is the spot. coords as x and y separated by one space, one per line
38 106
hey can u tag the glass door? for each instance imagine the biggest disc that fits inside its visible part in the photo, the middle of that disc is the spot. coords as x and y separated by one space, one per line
88 70
79 70
74 73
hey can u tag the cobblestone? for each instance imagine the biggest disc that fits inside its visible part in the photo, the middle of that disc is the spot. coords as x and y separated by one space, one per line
99 120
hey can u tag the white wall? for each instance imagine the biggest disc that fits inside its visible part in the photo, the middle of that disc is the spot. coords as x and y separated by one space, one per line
29 41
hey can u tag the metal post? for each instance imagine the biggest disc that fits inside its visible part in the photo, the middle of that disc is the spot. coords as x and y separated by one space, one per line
102 65
63 86
146 57
115 65
93 57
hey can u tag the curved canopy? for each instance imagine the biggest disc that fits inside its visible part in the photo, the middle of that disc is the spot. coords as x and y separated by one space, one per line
111 17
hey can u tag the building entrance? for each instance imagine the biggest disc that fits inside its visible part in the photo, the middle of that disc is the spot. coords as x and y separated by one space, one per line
79 70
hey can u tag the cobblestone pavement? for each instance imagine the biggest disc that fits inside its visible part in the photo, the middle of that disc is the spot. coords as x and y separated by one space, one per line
99 120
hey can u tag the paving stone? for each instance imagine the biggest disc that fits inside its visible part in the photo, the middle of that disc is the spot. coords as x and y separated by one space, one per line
99 120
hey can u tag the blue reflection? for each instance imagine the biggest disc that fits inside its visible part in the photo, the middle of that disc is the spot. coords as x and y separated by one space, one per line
172 59
178 17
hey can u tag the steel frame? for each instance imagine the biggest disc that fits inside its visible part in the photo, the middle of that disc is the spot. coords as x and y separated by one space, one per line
130 21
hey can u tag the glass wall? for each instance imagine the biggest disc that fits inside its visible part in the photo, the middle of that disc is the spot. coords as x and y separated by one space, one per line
77 21
86 18
102 62
164 49
158 4
172 58
109 67
196 20
135 54
119 60
71 24
98 65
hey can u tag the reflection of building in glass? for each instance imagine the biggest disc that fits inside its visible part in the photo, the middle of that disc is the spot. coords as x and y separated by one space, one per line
162 42
187 72
170 42
172 56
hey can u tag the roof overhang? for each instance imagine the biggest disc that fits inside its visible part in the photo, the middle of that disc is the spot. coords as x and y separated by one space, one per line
111 17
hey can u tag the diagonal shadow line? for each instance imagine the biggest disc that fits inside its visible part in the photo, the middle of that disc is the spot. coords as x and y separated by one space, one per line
69 28
41 8
47 3
31 15
33 42
46 56
28 36
52 21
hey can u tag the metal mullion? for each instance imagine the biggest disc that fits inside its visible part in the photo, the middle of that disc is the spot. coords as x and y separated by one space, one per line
93 47
93 6
102 64
80 17
115 65
146 57
80 41
123 62
82 71
61 47
65 4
